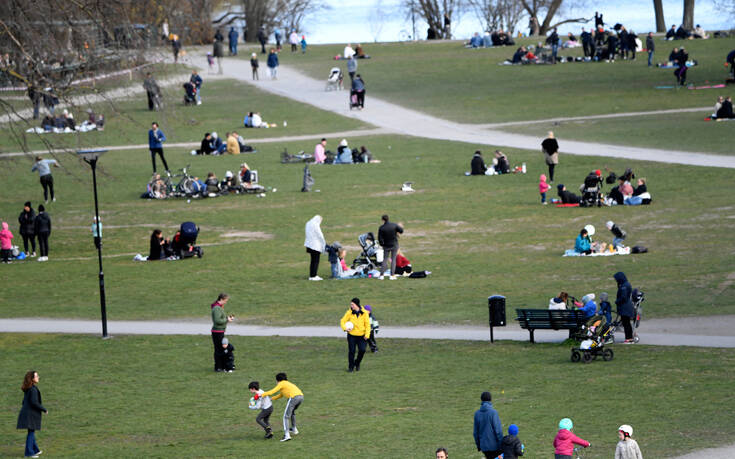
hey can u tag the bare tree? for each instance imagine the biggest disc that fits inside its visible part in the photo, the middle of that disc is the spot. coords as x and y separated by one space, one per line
497 14
726 6
687 20
438 14
658 8
377 19
550 9
269 14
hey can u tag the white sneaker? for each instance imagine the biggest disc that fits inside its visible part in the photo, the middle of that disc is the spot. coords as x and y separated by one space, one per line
294 431
33 254
392 278
315 278
381 277
286 438
54 199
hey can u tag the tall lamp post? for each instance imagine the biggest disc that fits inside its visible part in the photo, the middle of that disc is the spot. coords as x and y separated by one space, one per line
90 157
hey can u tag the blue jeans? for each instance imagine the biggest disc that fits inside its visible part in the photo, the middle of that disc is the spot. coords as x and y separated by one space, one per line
650 58
617 241
543 197
335 270
554 49
31 446
633 201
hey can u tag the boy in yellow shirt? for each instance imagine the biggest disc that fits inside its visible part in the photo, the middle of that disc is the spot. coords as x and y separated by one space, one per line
287 389
356 322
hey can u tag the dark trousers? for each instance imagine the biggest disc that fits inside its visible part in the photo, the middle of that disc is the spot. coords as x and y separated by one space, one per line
371 342
26 238
31 446
358 343
47 182
587 49
5 255
314 264
492 454
151 103
360 98
264 418
627 327
551 172
294 48
219 363
393 251
43 243
159 152
262 47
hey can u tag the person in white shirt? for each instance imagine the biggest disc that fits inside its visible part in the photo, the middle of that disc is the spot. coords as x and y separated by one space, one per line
266 408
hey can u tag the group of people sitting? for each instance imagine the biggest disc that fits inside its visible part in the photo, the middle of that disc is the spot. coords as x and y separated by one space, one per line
488 39
357 52
244 182
523 55
500 165
622 194
723 109
683 34
584 245
212 144
65 123
344 155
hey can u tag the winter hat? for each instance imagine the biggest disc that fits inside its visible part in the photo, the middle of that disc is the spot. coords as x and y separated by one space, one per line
542 177
368 308
609 224
343 143
41 208
560 186
598 172
566 423
228 174
356 301
225 341
603 296
588 297
254 55
512 429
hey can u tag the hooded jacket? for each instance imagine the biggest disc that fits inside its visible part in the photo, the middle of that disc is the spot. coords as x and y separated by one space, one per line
42 223
623 300
564 442
26 222
314 237
360 320
512 447
488 430
5 238
477 165
543 187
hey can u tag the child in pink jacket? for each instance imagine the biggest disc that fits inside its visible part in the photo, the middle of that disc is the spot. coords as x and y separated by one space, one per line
5 242
543 187
565 440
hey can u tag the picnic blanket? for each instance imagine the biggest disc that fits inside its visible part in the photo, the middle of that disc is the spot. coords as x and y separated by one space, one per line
619 251
568 205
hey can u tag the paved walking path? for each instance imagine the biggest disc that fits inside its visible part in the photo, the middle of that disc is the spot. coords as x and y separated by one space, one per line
704 332
297 86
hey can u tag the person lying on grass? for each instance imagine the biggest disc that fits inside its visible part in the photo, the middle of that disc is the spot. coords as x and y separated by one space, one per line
566 196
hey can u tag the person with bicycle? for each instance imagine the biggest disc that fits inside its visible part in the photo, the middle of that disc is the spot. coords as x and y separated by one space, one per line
565 440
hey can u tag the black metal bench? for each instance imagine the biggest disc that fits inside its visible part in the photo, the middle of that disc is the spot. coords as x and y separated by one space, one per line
549 319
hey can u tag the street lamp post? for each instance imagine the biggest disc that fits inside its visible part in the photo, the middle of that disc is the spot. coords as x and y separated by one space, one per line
91 157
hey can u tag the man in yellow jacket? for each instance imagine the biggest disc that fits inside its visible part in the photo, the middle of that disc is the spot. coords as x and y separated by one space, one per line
233 146
356 322
287 389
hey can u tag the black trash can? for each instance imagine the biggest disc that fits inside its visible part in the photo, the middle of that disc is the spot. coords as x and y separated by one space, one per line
496 312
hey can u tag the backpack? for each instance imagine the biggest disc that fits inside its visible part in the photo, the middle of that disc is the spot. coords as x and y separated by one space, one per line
639 249
610 179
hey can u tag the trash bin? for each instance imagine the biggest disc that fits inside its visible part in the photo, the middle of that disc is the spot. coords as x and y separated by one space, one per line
496 312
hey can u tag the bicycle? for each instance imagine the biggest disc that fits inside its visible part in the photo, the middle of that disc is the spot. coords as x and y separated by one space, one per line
184 186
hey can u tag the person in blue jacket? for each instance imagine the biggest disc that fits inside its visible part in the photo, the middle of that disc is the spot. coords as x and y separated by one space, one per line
488 431
233 36
624 303
155 145
588 305
197 81
582 244
273 63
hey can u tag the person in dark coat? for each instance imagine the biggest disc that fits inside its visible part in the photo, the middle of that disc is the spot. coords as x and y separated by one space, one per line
35 97
262 39
478 164
27 230
159 246
512 446
586 43
218 49
30 413
488 431
42 230
624 303
566 196
550 148
233 36
388 239
650 47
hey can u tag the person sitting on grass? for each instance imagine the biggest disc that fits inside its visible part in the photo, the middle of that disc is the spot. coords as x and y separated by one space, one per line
212 184
229 184
246 176
233 146
217 144
477 165
567 197
206 147
158 187
725 111
583 244
159 248
501 164
344 153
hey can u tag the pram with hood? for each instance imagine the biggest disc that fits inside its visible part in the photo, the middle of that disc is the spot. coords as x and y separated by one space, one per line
335 79
371 255
592 191
184 242
190 94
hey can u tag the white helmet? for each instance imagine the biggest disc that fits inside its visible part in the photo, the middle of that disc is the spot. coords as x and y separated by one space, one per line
626 429
228 174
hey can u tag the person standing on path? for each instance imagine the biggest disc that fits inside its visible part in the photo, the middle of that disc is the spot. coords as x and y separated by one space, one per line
156 137
262 38
356 322
624 303
273 63
219 325
488 431
42 229
29 417
254 64
26 230
315 245
233 37
218 49
388 239
295 397
43 166
352 67
196 81
650 47
550 147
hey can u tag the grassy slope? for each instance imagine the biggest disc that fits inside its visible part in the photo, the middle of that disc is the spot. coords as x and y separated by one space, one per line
479 235
157 396
225 104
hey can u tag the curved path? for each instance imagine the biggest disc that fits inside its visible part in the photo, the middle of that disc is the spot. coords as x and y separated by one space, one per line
401 120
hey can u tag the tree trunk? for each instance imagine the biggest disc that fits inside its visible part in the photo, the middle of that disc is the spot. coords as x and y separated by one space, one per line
688 19
658 7
553 8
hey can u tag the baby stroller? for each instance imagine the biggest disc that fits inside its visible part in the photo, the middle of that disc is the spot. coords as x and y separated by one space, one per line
353 100
595 334
184 241
371 255
334 81
591 193
190 95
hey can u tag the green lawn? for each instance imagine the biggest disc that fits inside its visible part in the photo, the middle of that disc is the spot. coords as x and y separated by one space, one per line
225 103
468 85
683 131
478 235
158 396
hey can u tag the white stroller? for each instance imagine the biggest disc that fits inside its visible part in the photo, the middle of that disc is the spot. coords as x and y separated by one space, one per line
334 82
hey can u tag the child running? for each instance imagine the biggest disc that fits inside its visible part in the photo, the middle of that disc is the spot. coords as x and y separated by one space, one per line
565 440
266 408
295 397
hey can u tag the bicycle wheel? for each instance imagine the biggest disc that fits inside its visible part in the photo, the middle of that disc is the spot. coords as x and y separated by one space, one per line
186 186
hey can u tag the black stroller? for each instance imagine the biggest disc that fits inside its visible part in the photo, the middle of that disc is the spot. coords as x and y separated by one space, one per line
190 94
183 245
591 191
367 260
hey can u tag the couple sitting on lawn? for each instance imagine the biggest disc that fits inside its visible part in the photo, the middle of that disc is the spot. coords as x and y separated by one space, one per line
500 164
254 120
723 109
212 144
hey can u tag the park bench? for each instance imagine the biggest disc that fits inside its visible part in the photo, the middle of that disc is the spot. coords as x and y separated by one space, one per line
549 319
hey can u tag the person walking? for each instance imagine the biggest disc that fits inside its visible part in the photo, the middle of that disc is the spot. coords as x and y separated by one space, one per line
42 230
29 417
196 81
156 137
262 39
388 239
218 49
624 303
488 431
176 47
26 229
356 322
43 166
293 39
273 63
233 37
550 147
352 67
219 325
358 89
650 47
315 245
278 36
153 91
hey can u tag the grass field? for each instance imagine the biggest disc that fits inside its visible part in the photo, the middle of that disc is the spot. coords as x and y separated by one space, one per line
158 397
478 235
225 103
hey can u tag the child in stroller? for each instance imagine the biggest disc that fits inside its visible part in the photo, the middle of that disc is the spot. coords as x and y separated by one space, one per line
190 94
184 242
335 79
371 255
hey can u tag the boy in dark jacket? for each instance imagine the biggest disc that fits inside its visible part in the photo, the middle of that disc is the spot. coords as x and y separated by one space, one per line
512 446
226 356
